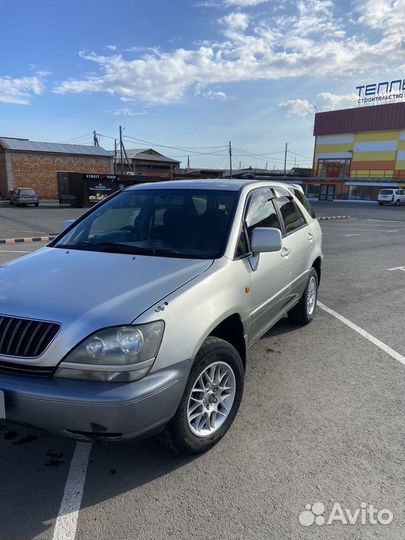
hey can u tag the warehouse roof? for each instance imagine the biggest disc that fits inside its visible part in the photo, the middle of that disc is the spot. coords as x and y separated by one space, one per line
25 145
148 154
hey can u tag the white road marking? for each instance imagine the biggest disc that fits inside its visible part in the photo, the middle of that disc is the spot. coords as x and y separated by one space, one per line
352 234
14 251
386 348
66 522
397 268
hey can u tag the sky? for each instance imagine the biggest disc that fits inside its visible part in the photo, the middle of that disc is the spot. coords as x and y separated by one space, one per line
190 76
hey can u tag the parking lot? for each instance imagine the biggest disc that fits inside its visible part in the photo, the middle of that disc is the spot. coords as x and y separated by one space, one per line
322 419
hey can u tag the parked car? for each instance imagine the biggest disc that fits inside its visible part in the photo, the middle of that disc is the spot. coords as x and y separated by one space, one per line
391 196
23 197
158 293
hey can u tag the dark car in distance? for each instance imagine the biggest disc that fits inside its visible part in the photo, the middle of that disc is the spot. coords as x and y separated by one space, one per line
23 197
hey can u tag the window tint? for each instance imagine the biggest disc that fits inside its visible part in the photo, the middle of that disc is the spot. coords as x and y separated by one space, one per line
305 203
291 214
261 210
161 222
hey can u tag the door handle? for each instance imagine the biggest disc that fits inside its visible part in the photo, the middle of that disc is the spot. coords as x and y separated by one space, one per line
310 237
285 252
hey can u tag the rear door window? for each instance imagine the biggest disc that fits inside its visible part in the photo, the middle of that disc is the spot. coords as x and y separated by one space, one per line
291 214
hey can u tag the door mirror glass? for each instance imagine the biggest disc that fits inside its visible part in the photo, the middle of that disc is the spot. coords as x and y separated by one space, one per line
265 239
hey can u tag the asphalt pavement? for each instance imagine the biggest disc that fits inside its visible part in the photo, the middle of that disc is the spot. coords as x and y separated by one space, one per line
322 420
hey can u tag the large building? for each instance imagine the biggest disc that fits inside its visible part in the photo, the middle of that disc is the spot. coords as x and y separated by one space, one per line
25 163
358 151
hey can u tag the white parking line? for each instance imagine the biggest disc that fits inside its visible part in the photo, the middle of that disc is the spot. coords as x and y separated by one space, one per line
14 251
386 348
66 522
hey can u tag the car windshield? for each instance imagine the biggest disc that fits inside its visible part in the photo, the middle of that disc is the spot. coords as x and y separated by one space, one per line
29 192
386 192
161 222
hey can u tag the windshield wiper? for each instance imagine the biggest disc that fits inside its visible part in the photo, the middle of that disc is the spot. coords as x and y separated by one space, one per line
110 247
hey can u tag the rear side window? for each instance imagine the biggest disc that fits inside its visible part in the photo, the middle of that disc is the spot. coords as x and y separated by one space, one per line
305 203
291 214
386 192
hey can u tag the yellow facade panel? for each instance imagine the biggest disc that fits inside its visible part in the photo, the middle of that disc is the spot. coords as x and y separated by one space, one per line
374 156
334 148
375 136
400 165
401 145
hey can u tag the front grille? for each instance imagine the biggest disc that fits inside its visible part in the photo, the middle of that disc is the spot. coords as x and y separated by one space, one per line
25 338
23 369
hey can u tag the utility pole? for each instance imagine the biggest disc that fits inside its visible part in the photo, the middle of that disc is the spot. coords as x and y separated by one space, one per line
285 159
115 156
121 161
95 139
188 162
230 159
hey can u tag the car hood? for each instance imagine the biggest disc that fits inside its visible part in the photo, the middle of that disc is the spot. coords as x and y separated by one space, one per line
90 288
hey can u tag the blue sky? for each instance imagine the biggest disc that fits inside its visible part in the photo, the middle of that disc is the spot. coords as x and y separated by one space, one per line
192 74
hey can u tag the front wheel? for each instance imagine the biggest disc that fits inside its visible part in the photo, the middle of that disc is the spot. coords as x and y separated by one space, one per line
210 401
303 312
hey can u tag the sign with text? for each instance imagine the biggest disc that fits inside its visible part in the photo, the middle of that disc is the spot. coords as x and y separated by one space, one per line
381 92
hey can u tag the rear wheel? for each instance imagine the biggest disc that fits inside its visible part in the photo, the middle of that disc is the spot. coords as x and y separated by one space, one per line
210 401
397 202
303 312
380 203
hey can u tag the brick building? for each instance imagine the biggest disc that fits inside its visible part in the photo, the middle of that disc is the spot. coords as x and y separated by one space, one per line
25 163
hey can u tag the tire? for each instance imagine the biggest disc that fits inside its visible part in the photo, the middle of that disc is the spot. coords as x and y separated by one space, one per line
397 202
380 203
180 434
303 312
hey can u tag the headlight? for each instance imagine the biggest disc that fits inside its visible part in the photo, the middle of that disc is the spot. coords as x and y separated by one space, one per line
123 353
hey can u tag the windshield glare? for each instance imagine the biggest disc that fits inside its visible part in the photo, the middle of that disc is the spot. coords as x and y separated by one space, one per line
164 222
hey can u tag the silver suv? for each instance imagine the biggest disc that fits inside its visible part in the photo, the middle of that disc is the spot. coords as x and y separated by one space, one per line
138 317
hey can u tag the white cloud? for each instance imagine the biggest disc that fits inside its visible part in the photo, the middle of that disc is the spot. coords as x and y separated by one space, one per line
244 3
312 42
19 91
216 94
235 21
297 107
127 112
325 101
111 47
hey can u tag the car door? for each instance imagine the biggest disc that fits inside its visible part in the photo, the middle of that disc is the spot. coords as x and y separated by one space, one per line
297 240
270 272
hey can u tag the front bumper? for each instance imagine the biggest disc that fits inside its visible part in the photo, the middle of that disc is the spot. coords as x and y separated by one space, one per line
90 410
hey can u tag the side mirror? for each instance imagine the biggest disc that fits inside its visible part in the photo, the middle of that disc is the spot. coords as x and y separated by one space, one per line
66 224
266 240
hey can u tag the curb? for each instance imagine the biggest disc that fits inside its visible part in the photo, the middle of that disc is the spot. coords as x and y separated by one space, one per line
28 240
333 217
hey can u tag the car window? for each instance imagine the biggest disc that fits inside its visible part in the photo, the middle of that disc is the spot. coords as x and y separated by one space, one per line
160 222
386 192
291 214
27 192
305 203
260 212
